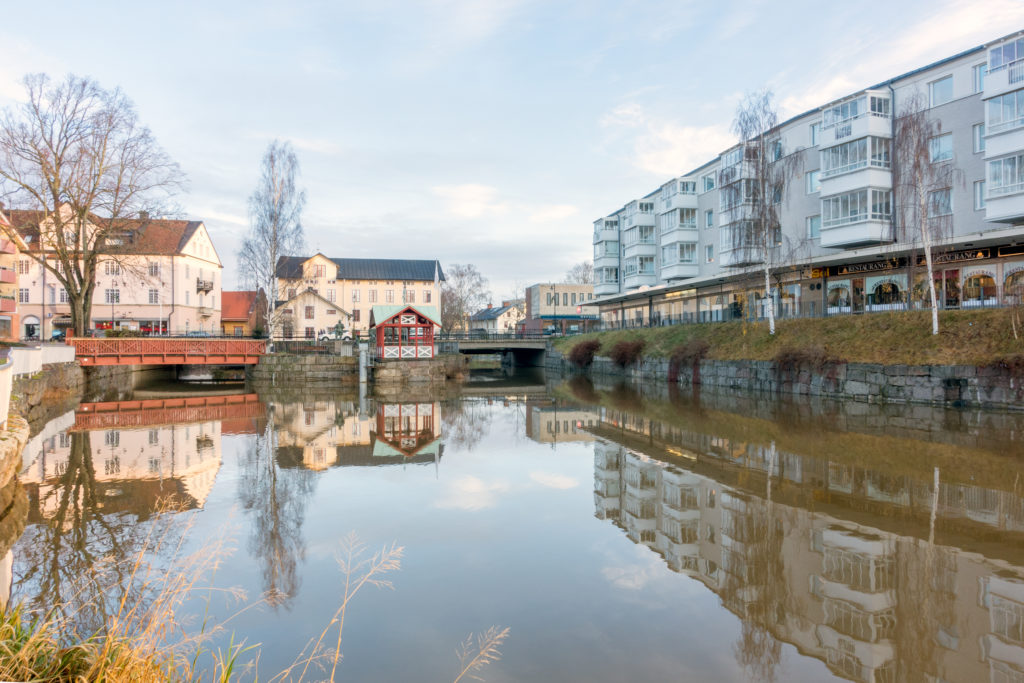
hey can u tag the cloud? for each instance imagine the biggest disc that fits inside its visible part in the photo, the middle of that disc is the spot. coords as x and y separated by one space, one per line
470 200
633 577
664 147
471 493
554 481
553 212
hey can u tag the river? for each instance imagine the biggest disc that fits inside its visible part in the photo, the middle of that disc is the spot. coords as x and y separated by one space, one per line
620 533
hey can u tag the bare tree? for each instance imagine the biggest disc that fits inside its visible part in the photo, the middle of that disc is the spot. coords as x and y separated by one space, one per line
923 175
275 215
77 155
580 274
753 186
464 291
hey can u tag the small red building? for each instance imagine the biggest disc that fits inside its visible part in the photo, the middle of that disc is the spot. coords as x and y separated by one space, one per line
403 331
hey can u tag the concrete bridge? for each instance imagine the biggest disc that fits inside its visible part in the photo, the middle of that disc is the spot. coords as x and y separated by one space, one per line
515 350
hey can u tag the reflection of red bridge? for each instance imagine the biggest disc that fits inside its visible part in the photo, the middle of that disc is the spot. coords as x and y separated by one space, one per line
241 409
167 351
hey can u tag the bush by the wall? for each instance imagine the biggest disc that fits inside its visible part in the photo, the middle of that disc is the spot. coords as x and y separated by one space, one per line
625 353
582 354
813 357
689 353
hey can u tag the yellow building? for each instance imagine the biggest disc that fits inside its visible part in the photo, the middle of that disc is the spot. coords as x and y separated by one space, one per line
359 284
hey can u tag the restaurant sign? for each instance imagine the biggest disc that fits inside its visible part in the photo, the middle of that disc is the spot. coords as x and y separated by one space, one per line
867 267
955 256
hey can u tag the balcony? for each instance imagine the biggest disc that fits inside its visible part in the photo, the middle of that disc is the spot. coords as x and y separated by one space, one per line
683 232
8 276
606 260
857 233
8 304
1005 204
8 247
606 234
678 200
205 311
639 280
644 247
1003 79
678 271
638 219
869 123
862 176
204 285
740 256
606 288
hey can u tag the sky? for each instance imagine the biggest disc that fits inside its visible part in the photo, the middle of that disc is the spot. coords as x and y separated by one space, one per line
491 132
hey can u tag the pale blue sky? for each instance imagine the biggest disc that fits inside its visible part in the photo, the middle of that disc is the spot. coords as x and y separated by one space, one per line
490 132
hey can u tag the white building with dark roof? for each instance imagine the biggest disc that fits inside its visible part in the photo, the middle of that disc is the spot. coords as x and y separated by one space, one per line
359 284
497 319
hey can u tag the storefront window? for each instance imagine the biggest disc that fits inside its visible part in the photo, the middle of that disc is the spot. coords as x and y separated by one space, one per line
838 299
1013 288
979 289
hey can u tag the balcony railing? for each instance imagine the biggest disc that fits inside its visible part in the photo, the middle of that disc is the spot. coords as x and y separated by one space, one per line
204 285
854 218
1004 190
857 165
1014 70
8 276
205 311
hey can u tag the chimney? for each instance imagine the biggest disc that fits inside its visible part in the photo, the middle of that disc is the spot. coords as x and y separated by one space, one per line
506 304
489 306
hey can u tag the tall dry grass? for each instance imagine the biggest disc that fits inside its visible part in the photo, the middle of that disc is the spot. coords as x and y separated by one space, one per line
147 637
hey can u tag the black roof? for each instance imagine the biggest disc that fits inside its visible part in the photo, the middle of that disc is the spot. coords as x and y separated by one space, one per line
492 313
290 267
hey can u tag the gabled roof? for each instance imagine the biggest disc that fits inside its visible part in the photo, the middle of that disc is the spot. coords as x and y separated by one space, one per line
157 236
236 305
490 313
386 312
290 267
310 292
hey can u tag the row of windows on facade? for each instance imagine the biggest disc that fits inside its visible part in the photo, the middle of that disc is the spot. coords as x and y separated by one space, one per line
568 298
408 295
25 267
110 296
320 271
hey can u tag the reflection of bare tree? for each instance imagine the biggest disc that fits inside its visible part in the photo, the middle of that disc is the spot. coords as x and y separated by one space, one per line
755 585
277 498
78 559
464 422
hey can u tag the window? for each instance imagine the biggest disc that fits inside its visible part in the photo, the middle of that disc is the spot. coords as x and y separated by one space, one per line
23 266
709 219
709 253
409 296
355 315
813 182
426 296
113 296
979 137
940 203
776 146
815 133
373 296
187 271
1000 57
854 155
978 77
154 296
62 297
186 297
112 438
291 292
356 295
389 296
112 268
814 227
565 298
154 437
941 148
683 252
154 269
53 294
310 313
238 330
856 206
1005 112
979 195
310 333
332 311
707 182
1005 176
940 91
22 296
320 270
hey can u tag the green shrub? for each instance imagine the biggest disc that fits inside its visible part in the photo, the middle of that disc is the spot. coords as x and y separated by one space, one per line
582 354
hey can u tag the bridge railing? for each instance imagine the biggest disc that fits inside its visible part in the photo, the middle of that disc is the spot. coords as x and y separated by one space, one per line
481 335
167 346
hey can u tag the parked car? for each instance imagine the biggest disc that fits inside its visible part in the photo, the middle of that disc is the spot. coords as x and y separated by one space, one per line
331 334
59 335
198 333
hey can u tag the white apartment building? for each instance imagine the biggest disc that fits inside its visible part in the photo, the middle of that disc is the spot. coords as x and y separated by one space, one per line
165 278
679 253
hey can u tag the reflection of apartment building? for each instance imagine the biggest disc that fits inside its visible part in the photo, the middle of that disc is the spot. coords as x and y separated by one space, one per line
356 285
166 275
551 424
873 604
139 465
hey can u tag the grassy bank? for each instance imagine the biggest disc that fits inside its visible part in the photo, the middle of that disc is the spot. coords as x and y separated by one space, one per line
981 337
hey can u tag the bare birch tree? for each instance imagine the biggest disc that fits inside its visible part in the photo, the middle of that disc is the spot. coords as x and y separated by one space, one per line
755 187
463 293
77 156
275 215
580 274
923 175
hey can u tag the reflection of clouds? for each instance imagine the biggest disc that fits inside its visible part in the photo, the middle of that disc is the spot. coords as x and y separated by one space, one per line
554 481
471 493
632 577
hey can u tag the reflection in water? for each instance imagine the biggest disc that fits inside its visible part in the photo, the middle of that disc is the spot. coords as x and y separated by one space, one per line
812 550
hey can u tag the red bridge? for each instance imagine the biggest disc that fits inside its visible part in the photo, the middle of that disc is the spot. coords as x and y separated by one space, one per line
167 351
238 409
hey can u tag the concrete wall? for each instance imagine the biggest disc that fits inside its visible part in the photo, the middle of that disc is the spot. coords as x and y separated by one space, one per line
958 385
285 369
29 360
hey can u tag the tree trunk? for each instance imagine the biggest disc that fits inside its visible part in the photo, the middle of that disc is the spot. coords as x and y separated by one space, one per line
926 241
768 295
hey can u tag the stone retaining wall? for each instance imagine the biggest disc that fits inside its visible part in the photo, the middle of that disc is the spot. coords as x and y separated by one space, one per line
420 372
48 393
957 385
13 499
286 369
